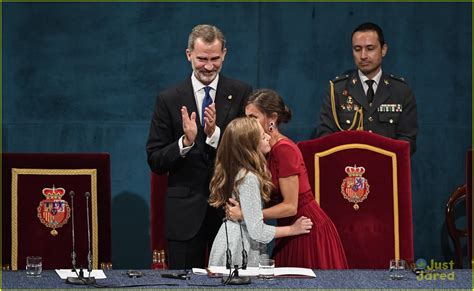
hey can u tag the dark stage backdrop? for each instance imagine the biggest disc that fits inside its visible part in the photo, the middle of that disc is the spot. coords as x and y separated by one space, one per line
82 77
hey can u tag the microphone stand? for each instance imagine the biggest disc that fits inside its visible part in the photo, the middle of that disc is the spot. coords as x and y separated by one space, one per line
73 253
234 278
81 280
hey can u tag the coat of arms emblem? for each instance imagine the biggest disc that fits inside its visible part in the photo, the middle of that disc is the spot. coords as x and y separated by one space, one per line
53 211
354 187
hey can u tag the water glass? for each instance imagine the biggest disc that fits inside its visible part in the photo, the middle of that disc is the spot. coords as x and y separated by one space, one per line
397 269
266 269
34 266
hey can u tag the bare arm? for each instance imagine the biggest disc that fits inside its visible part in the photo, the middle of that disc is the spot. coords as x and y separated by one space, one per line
300 226
289 188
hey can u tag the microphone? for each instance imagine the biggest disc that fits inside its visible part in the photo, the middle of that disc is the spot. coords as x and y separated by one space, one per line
234 278
89 254
73 253
81 280
228 253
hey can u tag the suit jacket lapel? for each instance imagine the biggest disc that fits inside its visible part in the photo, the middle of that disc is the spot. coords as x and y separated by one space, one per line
224 100
186 97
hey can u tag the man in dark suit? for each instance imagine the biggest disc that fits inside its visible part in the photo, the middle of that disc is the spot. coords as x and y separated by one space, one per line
368 99
185 129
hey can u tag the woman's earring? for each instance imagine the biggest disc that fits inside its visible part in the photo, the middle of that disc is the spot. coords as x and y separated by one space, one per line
270 128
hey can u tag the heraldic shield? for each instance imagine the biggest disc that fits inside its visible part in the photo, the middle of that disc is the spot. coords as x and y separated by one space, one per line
362 181
37 208
54 212
354 187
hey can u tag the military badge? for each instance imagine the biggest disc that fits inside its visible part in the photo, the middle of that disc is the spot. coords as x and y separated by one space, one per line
349 105
354 187
53 212
390 108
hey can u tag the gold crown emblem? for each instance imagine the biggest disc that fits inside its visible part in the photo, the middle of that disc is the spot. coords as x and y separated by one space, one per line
53 193
355 171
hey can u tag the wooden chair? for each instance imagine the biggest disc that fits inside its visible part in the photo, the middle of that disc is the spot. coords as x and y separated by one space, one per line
462 194
36 208
362 181
458 196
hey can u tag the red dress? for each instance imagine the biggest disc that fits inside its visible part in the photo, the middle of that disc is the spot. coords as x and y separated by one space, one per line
319 249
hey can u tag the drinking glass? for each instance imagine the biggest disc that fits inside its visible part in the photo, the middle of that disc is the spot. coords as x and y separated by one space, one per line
397 269
34 266
266 269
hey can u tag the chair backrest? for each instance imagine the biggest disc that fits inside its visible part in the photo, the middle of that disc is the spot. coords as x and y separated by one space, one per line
159 184
362 181
458 196
461 194
36 208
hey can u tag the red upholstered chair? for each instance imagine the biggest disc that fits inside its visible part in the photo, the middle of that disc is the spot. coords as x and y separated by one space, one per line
36 217
362 181
159 184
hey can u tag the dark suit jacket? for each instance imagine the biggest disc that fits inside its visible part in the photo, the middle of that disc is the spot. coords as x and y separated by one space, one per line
393 113
189 177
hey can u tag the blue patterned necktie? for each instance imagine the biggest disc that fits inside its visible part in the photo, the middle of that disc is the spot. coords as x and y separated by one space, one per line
205 102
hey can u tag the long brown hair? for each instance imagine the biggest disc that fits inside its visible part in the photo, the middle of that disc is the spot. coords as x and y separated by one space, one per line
239 150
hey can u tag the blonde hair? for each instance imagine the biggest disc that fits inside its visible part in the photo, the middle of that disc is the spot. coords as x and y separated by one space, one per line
239 150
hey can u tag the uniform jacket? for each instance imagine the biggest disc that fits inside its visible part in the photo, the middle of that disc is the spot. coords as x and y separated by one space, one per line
393 112
189 176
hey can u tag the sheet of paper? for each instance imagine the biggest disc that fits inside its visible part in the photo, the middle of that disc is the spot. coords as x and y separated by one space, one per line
292 271
199 271
64 273
253 271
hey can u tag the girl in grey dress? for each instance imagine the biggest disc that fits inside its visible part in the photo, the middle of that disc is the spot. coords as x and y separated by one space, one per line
241 173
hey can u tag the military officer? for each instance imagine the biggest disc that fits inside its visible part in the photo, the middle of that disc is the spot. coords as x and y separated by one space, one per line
368 99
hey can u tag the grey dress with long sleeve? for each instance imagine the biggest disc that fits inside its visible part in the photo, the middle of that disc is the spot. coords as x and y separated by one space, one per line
256 234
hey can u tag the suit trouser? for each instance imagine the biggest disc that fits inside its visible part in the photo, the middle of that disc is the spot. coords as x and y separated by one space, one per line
194 253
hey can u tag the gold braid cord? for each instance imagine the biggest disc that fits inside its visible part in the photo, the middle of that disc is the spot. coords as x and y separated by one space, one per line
360 125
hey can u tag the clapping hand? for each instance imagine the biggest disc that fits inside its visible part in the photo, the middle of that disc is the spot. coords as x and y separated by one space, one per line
189 126
210 119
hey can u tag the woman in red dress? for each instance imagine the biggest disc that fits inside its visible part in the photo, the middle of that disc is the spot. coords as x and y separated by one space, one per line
292 197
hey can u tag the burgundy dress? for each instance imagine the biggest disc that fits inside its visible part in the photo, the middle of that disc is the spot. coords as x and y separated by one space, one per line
319 249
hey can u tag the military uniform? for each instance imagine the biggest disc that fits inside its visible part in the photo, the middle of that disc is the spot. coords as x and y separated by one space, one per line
392 113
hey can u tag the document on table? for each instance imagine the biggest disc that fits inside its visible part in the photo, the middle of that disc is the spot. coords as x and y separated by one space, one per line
280 271
64 273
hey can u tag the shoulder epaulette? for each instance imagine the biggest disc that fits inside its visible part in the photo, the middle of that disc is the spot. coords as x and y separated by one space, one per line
340 78
401 79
